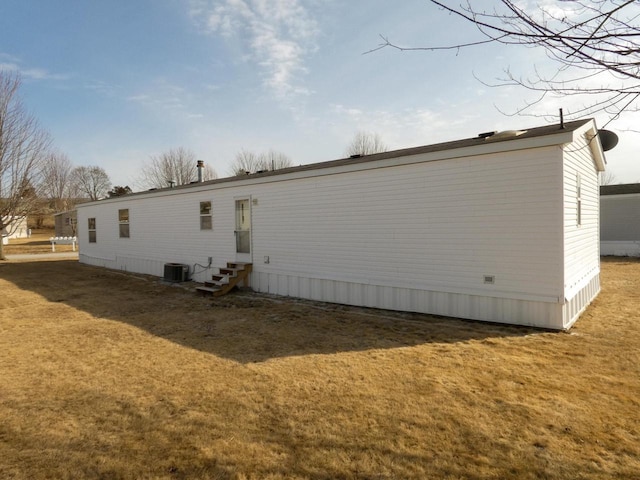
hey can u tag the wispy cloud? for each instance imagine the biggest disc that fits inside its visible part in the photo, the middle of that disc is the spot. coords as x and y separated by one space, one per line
166 97
102 87
402 128
13 64
278 34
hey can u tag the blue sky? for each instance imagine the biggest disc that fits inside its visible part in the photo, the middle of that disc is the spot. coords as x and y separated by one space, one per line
118 81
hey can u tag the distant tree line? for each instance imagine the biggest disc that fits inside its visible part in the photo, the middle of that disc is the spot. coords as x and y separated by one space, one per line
36 180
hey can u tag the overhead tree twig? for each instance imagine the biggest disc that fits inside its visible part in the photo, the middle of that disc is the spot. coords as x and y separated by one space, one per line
586 40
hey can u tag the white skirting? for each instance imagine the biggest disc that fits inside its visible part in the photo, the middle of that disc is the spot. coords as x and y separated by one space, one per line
577 304
543 314
557 315
620 249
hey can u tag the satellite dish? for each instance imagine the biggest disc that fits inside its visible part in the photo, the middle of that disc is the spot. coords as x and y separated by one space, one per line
608 139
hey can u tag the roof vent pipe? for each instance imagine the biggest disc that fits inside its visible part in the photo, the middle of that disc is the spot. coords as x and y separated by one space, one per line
561 120
200 168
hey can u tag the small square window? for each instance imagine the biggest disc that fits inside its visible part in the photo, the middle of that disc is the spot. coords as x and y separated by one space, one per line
205 223
205 208
124 230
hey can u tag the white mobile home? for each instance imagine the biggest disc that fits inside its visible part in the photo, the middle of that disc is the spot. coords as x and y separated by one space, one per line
620 220
14 227
501 227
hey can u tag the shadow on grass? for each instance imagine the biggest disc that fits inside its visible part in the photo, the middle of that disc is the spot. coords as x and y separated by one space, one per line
31 243
243 326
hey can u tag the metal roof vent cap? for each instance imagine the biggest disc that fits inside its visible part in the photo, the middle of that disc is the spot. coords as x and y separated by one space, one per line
506 134
487 134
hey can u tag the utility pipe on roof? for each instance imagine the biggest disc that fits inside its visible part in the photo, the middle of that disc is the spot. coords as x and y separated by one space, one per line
200 168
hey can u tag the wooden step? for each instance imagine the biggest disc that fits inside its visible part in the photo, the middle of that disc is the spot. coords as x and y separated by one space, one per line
238 265
227 279
232 272
206 289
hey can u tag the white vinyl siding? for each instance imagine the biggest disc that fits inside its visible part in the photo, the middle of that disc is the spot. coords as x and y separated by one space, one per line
439 226
620 217
418 233
581 241
620 225
443 225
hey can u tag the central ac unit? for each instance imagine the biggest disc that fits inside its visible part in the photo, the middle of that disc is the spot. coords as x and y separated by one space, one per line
176 272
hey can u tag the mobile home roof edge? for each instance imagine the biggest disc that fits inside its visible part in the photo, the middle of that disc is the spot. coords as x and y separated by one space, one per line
535 137
622 189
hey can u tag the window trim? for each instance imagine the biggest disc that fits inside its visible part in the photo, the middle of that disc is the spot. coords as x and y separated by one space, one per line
205 214
578 200
124 222
92 229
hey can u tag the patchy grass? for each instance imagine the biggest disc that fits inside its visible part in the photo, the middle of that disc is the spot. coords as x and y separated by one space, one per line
109 375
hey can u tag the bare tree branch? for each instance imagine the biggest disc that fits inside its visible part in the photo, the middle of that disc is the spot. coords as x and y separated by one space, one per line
56 181
365 143
90 182
248 162
177 166
23 147
607 178
586 39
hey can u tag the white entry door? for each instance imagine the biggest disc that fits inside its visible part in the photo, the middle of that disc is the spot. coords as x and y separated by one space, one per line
243 230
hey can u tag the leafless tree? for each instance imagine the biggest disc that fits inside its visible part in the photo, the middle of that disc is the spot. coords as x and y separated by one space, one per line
56 181
607 178
248 162
23 147
274 160
90 182
177 166
365 143
594 43
245 162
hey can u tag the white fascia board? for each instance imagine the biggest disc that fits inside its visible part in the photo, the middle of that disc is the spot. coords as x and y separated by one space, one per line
591 132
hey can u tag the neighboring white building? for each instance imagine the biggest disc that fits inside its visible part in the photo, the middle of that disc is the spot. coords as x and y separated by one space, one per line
15 227
620 220
500 228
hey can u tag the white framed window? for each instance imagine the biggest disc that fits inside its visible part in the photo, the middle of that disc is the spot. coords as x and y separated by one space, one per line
92 230
578 200
206 217
123 222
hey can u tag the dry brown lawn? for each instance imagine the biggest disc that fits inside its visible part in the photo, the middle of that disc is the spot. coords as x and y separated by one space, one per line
118 376
38 243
